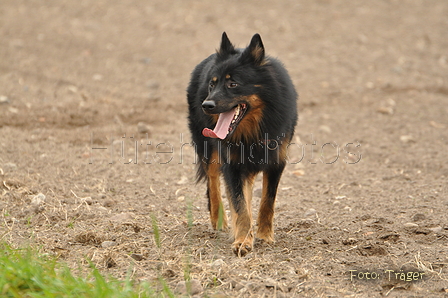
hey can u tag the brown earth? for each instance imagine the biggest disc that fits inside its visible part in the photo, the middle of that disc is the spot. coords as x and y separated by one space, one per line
370 194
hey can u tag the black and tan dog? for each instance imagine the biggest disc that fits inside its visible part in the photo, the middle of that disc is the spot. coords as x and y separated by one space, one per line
242 114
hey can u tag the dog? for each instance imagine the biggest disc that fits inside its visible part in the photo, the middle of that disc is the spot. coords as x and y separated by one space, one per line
242 109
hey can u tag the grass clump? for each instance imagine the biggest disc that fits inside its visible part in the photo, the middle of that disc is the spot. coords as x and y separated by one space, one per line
26 273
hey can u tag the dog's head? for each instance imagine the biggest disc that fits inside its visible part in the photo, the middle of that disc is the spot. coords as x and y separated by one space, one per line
234 84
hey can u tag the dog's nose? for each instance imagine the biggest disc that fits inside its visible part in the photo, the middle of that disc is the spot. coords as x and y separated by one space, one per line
208 105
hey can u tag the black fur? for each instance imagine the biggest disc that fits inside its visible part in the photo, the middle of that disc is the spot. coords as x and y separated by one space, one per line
259 82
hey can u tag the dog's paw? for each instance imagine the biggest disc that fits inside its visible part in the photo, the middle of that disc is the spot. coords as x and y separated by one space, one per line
219 222
220 226
266 236
241 248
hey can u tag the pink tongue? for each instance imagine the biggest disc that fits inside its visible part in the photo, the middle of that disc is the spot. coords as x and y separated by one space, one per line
222 126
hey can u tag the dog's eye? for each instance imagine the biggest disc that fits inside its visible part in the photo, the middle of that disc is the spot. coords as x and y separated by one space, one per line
232 85
211 84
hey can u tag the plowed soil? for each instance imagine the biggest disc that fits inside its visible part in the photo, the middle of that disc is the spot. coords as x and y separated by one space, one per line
95 161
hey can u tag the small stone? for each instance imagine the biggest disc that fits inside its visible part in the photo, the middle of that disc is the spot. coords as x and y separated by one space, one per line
4 99
436 229
183 180
142 127
436 125
39 199
389 237
108 203
391 102
218 263
366 217
137 257
325 128
299 173
72 89
349 241
310 212
97 77
106 244
410 225
192 287
418 217
37 208
386 110
102 209
87 200
370 85
407 139
181 199
13 110
270 282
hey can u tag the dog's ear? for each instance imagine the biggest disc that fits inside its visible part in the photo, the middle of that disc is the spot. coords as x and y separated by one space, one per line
226 48
254 53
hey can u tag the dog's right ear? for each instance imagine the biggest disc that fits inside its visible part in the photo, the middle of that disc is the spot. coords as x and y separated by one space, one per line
226 48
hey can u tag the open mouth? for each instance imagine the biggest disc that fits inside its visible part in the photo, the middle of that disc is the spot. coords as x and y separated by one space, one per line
227 122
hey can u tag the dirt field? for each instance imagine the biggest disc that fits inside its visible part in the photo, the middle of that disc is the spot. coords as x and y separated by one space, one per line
364 194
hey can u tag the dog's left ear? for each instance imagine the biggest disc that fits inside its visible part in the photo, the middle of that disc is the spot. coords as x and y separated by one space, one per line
254 53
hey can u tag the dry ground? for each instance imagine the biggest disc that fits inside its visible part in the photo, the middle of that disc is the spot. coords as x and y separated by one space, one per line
372 78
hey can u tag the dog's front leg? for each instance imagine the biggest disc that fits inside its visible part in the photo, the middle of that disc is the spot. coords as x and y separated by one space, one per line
271 179
239 192
217 213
